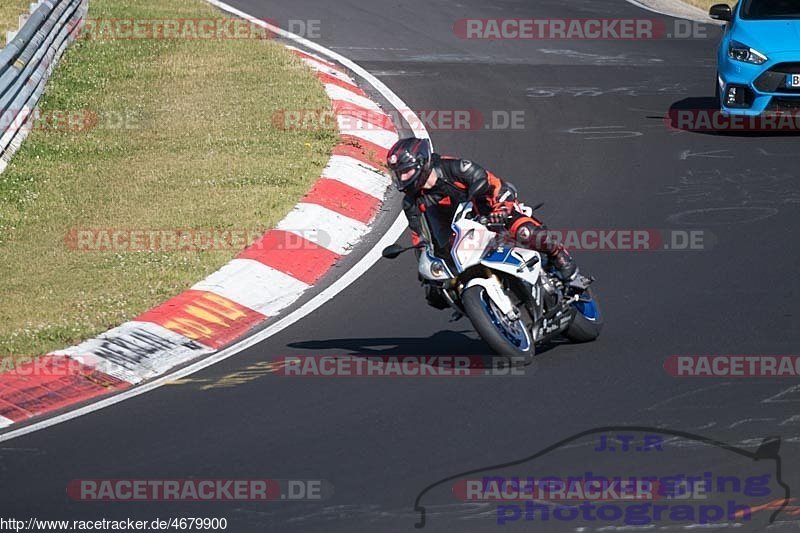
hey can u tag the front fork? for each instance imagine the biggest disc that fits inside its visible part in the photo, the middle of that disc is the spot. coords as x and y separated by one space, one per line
496 292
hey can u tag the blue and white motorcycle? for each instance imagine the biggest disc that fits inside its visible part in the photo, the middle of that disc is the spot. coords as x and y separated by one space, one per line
514 301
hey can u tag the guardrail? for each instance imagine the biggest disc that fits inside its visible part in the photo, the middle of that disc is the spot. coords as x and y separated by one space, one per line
26 64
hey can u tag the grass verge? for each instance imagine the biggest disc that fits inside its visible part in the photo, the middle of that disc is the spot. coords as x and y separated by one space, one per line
10 10
183 139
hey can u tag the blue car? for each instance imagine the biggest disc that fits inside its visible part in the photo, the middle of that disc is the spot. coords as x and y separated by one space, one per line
759 57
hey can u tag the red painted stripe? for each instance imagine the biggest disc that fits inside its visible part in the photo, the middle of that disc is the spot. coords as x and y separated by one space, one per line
370 149
350 150
343 199
54 382
291 254
327 78
376 118
203 316
50 383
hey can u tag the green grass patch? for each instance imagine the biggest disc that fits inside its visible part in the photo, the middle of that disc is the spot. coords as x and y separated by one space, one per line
184 139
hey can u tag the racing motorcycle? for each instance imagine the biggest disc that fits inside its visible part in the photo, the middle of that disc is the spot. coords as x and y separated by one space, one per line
511 296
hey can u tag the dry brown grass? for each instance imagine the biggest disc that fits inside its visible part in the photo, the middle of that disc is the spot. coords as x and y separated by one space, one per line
10 10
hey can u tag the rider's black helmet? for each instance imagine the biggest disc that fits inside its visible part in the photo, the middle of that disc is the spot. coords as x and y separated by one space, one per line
407 154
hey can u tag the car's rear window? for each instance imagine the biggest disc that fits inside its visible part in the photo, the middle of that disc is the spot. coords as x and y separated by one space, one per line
771 9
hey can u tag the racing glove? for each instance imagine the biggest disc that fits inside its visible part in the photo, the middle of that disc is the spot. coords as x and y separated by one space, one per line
500 213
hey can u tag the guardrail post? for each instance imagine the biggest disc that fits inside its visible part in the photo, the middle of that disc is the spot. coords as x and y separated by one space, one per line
27 62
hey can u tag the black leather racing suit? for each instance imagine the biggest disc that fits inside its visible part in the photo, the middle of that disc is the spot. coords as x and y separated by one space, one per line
460 180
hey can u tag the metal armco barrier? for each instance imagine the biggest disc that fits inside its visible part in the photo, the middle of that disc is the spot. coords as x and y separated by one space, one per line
27 63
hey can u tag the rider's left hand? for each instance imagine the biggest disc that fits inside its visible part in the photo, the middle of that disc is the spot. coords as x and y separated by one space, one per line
501 212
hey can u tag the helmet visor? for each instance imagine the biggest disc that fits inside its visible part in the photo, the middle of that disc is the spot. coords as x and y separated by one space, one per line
405 177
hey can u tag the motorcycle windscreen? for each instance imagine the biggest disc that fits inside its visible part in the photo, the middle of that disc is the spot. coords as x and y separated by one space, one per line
439 225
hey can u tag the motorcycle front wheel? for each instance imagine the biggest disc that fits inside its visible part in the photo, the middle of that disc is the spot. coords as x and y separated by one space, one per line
507 338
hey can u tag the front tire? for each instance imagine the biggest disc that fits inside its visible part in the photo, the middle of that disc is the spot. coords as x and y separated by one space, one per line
508 339
587 322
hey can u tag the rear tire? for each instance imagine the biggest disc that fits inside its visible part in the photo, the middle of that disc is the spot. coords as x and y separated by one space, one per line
482 313
587 322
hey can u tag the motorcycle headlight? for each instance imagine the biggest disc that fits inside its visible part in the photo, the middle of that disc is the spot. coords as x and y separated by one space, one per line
432 267
742 52
438 270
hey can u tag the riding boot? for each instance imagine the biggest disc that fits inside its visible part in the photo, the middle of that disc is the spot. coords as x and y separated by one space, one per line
564 264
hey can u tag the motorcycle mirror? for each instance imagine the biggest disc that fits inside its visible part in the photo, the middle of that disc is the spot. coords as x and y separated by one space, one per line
393 251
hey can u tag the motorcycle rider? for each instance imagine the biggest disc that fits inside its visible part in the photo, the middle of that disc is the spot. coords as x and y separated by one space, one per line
434 182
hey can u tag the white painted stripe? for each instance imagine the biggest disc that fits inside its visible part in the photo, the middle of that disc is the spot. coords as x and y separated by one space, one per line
358 175
254 285
321 67
343 282
368 132
5 422
340 93
136 351
324 227
327 68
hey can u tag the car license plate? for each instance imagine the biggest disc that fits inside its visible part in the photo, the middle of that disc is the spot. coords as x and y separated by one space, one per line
793 80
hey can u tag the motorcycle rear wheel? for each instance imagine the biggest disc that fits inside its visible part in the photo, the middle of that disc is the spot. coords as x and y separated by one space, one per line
587 322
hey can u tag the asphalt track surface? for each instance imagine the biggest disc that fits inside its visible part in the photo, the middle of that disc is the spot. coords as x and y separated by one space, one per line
596 150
